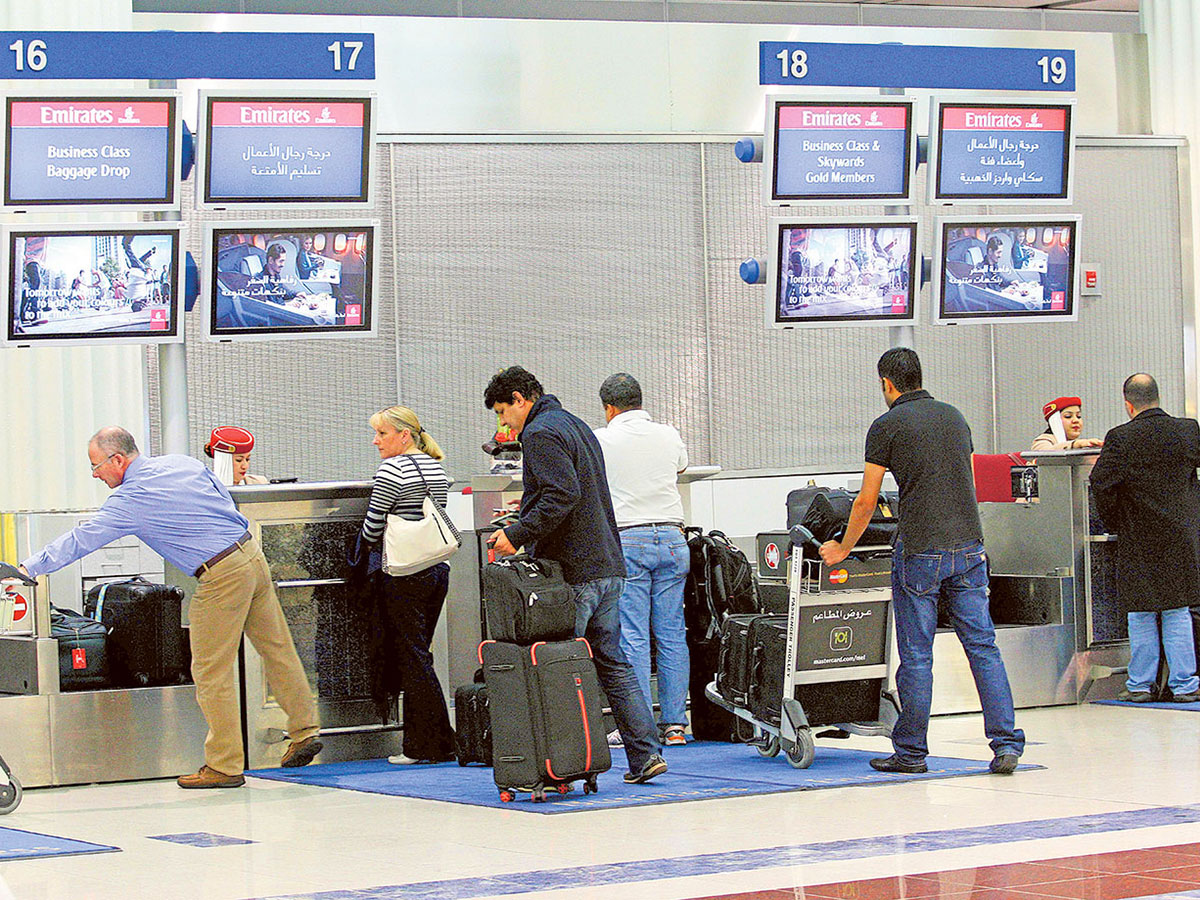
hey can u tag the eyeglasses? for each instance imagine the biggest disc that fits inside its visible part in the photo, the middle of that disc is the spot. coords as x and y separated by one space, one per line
95 466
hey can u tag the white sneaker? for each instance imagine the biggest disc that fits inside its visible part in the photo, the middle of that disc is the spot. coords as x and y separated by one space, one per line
614 738
401 760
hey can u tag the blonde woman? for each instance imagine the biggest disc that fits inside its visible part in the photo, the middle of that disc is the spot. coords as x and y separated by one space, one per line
409 605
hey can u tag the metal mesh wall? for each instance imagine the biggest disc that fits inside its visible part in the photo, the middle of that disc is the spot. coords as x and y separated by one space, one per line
578 260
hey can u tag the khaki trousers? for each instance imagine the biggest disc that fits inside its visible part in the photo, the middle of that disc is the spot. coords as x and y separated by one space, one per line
235 596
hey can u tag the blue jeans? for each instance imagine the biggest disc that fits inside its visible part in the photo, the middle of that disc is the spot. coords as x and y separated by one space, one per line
657 560
960 574
597 618
1176 640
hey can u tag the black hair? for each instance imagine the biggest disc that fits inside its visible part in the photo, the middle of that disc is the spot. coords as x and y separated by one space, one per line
902 367
622 391
1141 390
508 381
276 250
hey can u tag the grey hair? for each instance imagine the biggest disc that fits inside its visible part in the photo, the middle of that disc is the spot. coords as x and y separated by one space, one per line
622 391
115 439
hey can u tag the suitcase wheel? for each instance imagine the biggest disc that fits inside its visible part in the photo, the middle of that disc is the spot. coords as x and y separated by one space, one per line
539 794
462 759
507 796
590 786
565 788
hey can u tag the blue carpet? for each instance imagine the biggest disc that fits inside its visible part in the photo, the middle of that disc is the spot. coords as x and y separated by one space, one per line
700 771
16 844
1188 707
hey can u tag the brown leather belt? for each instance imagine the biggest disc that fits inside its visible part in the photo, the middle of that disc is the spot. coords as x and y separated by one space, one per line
236 545
653 525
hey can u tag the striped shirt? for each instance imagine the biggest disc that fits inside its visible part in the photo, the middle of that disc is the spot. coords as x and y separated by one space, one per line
399 491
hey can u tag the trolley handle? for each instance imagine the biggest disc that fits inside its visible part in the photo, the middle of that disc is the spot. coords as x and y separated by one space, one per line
10 571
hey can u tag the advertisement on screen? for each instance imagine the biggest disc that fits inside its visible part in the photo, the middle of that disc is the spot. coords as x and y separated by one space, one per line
93 285
839 151
1002 152
288 280
286 150
854 273
1004 270
90 151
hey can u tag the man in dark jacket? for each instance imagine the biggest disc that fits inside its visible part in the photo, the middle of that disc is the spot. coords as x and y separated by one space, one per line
1146 490
567 515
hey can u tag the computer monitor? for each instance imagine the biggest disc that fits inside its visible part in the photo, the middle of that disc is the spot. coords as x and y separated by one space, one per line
84 284
823 272
838 151
263 150
88 152
1010 152
1006 269
279 280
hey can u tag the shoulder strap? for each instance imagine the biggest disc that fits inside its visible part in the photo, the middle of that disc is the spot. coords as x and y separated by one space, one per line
420 475
99 614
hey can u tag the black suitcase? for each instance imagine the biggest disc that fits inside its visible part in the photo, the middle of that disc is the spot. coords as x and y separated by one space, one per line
733 665
773 597
709 721
147 643
768 662
547 724
82 650
527 600
472 725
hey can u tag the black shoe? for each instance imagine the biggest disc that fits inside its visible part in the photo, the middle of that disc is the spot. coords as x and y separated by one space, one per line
894 763
1136 697
654 767
1186 698
1003 764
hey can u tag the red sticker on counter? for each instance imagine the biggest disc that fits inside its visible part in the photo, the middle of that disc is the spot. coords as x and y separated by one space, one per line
771 555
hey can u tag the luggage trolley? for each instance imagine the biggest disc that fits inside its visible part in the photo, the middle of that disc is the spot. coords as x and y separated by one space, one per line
836 662
16 607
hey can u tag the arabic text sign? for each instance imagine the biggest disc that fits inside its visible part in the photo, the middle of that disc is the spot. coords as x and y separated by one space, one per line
842 634
841 150
90 151
286 150
1003 151
915 66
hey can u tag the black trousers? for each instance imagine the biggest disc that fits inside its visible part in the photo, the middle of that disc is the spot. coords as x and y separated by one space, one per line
411 605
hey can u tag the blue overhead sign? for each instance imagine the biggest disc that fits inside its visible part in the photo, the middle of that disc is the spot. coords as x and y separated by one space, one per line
915 66
174 55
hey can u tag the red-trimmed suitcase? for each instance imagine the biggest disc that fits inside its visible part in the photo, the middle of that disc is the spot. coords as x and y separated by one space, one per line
547 721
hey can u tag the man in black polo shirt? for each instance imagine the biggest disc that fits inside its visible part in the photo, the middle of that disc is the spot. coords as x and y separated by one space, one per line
567 515
939 551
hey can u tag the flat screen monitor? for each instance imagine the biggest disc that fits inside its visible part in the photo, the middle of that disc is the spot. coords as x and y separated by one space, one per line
1018 269
838 151
276 280
280 150
88 152
824 272
83 284
1009 152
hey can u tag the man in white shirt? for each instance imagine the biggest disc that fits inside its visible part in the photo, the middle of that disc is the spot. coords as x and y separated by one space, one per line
643 459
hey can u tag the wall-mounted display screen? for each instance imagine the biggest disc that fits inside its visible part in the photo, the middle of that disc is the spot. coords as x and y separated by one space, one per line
837 272
839 151
271 280
1010 269
260 150
91 151
1001 152
85 284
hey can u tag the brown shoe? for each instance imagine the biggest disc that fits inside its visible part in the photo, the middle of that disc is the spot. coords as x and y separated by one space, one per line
209 778
301 754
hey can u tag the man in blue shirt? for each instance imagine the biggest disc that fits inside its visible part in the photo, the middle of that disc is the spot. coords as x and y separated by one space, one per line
180 510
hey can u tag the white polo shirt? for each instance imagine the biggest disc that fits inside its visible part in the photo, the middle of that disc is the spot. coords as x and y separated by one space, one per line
642 459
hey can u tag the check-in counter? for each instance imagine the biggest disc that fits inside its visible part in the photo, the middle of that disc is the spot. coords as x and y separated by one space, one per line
1053 598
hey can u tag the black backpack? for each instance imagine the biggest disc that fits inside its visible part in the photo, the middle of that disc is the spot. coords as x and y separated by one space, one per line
721 583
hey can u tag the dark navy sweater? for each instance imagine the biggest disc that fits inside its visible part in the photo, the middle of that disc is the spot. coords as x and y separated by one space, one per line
566 511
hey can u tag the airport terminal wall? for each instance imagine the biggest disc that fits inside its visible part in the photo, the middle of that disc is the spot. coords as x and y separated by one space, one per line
579 259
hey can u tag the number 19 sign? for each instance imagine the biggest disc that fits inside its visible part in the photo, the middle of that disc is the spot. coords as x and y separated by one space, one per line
915 66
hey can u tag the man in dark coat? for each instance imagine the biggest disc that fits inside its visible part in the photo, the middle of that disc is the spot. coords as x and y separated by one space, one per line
1146 490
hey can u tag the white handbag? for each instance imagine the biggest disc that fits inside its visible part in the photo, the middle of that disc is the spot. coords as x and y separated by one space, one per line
413 545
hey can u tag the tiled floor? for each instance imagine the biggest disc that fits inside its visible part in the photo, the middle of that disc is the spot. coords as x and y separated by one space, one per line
1115 814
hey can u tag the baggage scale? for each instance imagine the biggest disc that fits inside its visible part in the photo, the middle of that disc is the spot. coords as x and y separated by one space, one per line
837 659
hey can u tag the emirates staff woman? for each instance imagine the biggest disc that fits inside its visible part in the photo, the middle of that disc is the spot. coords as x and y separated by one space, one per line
230 446
1064 425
